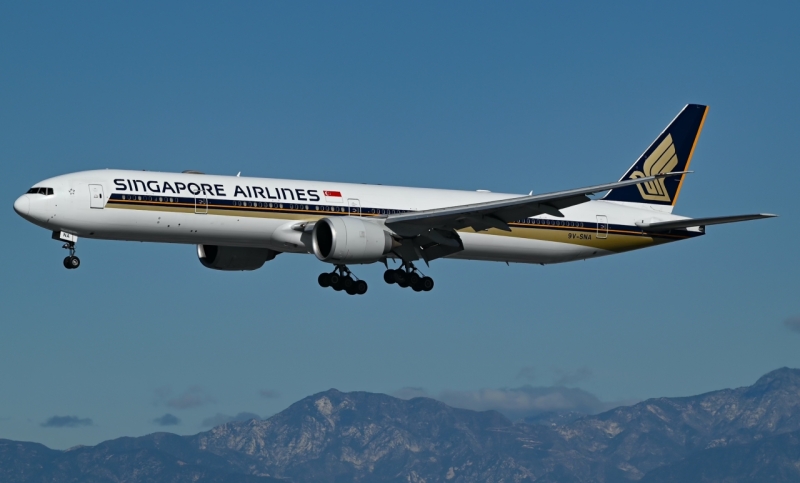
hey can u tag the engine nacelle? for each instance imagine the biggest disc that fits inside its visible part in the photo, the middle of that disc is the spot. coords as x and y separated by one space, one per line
234 258
348 239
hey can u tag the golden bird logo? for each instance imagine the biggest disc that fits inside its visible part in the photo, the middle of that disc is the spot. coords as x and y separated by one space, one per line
662 160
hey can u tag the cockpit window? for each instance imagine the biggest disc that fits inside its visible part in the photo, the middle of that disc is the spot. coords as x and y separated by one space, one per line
40 191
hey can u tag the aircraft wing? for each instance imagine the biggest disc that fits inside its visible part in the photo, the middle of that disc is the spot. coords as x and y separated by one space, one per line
497 214
432 234
691 222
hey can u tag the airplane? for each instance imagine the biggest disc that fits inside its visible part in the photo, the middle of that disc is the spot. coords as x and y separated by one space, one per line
240 223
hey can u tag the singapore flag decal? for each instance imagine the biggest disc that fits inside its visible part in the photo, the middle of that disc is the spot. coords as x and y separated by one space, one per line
333 196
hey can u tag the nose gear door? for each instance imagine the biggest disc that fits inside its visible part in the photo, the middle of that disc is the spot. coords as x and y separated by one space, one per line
97 199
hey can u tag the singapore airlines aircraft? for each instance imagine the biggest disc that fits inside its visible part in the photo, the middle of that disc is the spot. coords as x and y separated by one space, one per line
240 223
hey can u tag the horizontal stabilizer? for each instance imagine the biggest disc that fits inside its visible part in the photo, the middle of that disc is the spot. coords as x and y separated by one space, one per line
691 222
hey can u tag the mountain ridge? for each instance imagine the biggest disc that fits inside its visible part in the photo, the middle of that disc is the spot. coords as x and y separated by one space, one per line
360 436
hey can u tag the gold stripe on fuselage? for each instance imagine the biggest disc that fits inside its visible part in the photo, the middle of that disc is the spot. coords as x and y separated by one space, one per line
616 240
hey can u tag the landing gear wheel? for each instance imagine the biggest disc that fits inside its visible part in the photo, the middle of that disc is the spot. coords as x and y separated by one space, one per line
342 279
400 278
348 282
408 276
336 282
349 285
72 262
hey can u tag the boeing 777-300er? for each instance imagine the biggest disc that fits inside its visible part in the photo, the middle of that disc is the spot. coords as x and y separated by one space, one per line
240 223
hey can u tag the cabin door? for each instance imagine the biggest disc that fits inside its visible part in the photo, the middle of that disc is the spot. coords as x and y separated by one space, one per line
602 226
97 199
201 206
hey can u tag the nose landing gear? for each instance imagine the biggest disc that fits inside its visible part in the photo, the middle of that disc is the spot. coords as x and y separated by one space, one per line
408 276
342 279
71 262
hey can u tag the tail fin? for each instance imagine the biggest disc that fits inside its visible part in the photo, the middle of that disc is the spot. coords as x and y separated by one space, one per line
671 151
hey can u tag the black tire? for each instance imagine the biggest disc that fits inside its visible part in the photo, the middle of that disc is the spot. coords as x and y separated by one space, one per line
388 276
403 284
400 278
417 287
67 263
427 284
361 287
76 262
351 290
414 279
347 282
335 279
339 285
324 280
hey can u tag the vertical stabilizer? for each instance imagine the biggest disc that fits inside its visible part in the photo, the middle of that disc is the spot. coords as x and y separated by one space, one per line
671 151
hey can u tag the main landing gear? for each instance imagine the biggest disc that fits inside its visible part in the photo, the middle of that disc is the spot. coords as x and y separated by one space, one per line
408 276
342 279
71 262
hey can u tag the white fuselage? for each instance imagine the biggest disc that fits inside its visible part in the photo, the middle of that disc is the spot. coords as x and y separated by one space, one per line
260 212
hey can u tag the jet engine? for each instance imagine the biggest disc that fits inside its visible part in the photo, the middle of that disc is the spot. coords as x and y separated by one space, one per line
348 239
234 258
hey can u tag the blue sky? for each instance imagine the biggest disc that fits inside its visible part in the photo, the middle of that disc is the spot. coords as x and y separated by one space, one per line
458 95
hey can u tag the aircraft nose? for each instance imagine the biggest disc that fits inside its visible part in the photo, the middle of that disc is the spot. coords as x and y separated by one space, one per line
23 205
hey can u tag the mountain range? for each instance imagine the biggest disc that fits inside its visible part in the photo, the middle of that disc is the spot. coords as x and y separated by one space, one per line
747 434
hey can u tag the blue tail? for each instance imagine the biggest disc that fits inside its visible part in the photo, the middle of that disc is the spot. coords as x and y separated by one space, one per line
671 151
